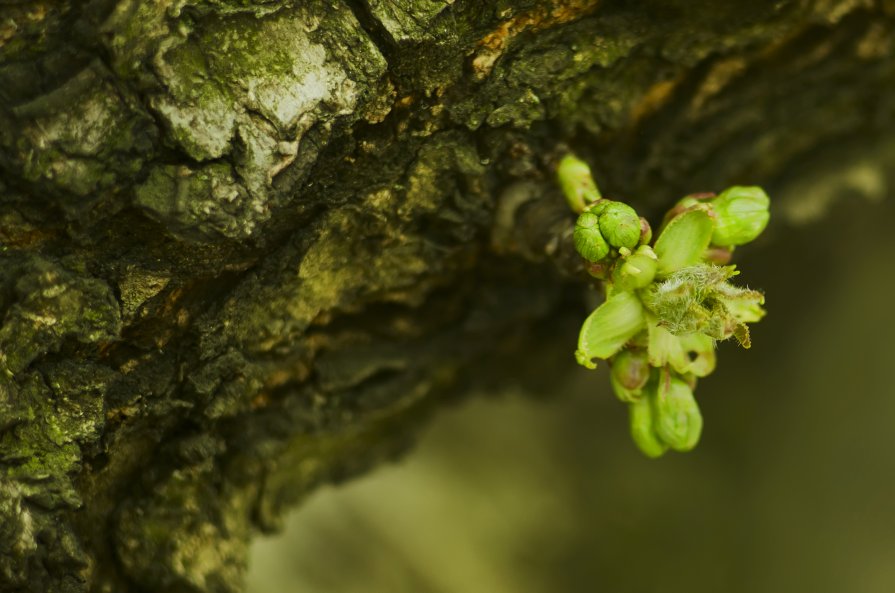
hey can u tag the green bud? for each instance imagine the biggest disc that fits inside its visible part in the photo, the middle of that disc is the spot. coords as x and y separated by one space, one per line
741 214
629 373
609 327
665 349
620 225
641 415
577 183
686 354
678 421
684 240
588 240
637 270
598 206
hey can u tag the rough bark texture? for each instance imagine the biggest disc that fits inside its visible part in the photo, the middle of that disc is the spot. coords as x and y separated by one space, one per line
247 246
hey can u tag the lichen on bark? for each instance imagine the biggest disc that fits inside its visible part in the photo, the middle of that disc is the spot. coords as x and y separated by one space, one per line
247 247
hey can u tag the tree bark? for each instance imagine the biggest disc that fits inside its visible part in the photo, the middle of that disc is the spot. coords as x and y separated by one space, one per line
247 247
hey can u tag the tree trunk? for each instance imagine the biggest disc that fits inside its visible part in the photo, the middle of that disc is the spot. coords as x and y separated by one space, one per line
247 247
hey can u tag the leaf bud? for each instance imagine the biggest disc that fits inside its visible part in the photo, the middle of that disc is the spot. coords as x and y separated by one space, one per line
741 214
637 270
629 373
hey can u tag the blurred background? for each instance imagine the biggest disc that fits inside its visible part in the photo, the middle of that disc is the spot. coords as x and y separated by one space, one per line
792 487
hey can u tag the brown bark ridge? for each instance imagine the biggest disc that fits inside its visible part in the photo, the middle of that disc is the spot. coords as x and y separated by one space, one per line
247 246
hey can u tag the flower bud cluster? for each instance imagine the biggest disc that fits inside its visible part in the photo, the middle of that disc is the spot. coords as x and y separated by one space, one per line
668 301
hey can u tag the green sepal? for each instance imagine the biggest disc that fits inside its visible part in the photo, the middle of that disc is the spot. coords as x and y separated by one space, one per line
588 240
700 352
577 183
582 359
609 327
620 225
684 240
688 354
641 414
665 349
741 214
678 421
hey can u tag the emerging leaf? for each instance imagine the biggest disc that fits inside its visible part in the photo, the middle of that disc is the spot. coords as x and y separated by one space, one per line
699 299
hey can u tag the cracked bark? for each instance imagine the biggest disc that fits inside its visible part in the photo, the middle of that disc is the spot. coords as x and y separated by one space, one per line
247 248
